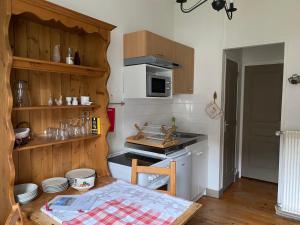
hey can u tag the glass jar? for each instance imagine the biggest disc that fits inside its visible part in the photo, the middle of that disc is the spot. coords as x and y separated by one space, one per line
21 94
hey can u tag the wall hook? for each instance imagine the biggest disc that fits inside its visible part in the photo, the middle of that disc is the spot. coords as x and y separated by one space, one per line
215 96
294 79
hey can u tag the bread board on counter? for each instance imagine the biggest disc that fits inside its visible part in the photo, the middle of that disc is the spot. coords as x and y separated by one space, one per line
152 142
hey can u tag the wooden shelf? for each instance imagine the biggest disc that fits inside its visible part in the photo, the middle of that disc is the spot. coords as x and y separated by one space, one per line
53 67
46 107
39 142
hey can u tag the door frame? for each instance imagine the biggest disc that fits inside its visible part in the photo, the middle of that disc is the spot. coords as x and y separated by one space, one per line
240 104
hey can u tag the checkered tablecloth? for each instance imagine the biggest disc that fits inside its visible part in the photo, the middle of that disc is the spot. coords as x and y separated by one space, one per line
160 207
121 212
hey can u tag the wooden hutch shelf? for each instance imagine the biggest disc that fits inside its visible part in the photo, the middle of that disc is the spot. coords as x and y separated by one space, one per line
40 142
46 107
30 31
53 67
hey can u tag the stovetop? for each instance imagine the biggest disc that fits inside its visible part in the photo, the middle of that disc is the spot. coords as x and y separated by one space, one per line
185 139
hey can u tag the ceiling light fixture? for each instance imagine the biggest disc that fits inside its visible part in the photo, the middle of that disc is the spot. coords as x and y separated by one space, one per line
216 5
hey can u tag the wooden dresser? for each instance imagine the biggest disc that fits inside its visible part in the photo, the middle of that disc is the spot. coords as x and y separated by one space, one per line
29 31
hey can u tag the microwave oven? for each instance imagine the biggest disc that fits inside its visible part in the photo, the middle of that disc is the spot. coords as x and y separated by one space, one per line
158 85
147 81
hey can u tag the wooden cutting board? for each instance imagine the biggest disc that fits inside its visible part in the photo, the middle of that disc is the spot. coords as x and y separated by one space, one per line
151 142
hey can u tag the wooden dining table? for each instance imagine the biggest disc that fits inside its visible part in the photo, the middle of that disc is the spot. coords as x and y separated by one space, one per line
33 215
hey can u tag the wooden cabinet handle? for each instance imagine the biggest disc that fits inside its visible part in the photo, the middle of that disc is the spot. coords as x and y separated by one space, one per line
159 55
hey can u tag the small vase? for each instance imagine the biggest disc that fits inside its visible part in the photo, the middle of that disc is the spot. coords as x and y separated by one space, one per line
50 101
56 54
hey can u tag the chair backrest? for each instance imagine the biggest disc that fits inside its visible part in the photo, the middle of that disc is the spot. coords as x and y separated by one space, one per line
171 172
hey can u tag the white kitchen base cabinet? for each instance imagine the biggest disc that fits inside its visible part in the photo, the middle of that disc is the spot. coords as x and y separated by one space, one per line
199 169
183 180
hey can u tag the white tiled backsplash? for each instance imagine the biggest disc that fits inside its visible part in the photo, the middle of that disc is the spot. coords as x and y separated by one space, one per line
190 114
188 111
156 111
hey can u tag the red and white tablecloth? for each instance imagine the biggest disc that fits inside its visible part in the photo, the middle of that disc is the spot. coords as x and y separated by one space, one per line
120 212
121 203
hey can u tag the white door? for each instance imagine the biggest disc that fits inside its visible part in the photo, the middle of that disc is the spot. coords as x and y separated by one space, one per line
183 176
262 118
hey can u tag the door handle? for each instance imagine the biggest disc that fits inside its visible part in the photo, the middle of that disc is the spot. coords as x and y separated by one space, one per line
199 153
226 125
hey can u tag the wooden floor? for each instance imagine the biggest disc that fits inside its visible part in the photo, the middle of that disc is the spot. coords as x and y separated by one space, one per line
244 202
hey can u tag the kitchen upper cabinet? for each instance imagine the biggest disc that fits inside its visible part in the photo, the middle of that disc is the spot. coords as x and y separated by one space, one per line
183 78
145 43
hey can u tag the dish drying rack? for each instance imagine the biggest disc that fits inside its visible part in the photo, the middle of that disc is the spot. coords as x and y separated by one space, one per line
154 135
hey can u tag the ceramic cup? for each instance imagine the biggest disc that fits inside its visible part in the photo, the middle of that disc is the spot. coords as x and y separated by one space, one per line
74 101
85 100
69 100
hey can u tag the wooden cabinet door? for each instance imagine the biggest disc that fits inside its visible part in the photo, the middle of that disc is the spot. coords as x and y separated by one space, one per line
183 78
143 43
159 46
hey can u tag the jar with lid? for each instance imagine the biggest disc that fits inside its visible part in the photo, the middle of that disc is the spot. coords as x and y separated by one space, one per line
21 94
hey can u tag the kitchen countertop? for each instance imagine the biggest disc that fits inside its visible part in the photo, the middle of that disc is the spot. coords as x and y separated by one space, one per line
183 142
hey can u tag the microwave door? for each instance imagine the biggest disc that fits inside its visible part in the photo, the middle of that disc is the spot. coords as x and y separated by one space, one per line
156 86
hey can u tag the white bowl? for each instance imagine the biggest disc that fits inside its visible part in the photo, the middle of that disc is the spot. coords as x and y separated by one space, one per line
22 133
80 173
83 184
25 192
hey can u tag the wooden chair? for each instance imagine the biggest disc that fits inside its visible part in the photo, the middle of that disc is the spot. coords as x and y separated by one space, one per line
171 172
14 217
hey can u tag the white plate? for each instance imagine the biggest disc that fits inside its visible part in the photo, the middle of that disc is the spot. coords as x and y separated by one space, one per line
56 186
25 201
80 173
55 181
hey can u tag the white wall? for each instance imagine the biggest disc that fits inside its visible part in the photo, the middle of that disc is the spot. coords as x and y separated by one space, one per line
202 29
265 54
257 22
128 16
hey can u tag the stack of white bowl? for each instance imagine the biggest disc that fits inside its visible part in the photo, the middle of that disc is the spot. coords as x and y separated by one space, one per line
55 184
24 193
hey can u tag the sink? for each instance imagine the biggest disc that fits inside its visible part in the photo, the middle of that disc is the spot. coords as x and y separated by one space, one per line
185 135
